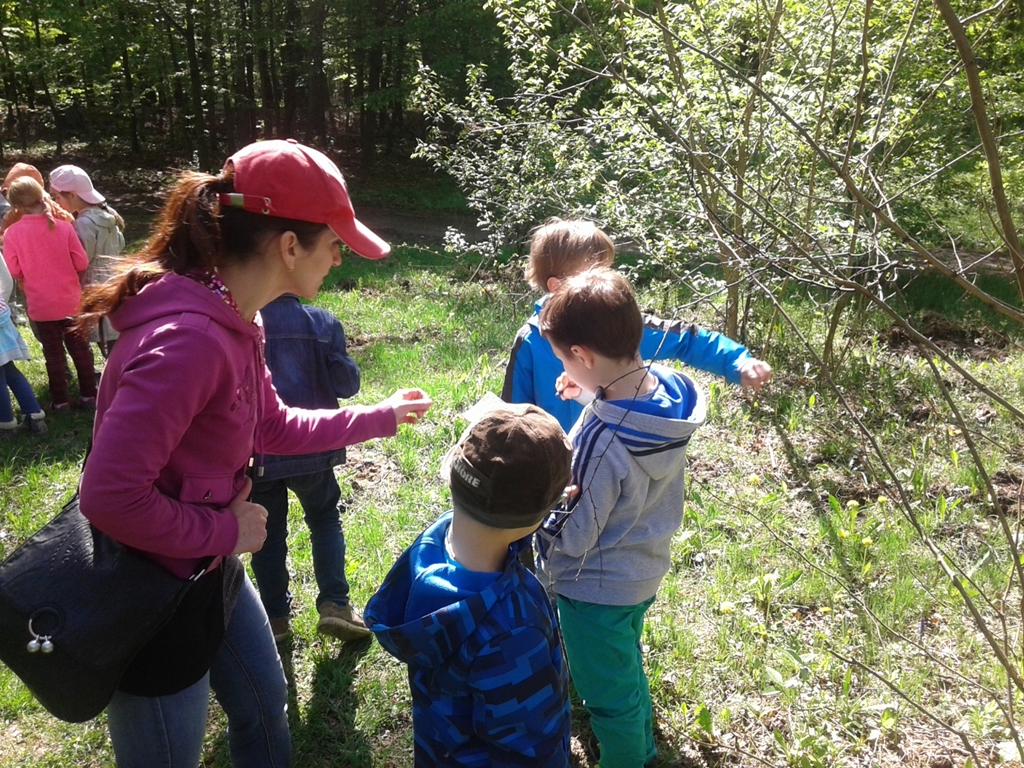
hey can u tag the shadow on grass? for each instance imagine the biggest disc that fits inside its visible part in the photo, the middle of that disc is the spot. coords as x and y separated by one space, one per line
326 734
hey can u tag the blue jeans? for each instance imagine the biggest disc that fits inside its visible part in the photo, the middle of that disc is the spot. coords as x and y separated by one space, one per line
602 644
319 494
11 377
246 676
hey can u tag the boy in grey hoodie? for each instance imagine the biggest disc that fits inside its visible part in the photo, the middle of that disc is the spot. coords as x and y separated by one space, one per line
605 555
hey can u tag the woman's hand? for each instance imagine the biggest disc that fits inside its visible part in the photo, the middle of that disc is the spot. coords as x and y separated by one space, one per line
252 521
409 405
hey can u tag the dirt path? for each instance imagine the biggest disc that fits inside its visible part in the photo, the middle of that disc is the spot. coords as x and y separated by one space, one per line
420 228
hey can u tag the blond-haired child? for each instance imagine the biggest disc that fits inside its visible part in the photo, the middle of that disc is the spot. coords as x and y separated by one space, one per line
561 248
46 255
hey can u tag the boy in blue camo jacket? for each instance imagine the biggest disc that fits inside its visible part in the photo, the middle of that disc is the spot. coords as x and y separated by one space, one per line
477 630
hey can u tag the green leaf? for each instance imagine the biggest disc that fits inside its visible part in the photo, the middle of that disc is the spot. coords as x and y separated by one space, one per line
704 719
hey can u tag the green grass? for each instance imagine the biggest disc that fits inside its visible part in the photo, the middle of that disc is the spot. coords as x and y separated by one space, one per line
794 550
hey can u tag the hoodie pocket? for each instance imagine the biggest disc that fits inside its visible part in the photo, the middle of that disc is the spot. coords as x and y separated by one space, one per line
208 490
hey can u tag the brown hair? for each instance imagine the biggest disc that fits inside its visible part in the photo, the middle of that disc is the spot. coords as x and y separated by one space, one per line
193 231
595 309
562 247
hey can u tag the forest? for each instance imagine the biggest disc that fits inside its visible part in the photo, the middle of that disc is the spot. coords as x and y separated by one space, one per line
203 76
838 185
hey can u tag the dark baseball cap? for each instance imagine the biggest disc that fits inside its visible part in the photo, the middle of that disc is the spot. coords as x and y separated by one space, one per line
510 467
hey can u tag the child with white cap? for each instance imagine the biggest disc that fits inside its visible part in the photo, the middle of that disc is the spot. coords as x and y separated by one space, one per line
100 229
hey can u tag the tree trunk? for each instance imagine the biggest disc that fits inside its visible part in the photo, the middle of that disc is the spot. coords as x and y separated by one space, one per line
129 88
57 122
261 30
199 132
291 62
319 88
247 77
208 83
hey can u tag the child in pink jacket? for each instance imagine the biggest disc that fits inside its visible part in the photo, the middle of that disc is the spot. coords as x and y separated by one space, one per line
46 255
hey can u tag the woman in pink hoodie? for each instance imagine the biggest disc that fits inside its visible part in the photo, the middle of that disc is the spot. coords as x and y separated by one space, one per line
184 403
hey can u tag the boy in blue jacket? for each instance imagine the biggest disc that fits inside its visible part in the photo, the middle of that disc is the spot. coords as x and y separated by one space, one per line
605 554
476 628
560 249
310 368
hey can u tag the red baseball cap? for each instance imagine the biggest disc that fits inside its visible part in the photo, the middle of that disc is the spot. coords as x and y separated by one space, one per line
290 180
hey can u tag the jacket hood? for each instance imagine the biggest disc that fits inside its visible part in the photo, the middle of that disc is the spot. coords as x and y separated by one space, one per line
98 217
656 442
433 640
173 295
19 170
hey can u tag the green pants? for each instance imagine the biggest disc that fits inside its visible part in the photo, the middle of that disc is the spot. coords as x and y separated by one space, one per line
602 645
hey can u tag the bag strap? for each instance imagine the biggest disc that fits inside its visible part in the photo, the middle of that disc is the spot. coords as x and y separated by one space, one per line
201 567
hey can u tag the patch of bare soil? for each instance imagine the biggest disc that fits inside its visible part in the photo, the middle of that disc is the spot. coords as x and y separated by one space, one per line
419 228
962 339
973 262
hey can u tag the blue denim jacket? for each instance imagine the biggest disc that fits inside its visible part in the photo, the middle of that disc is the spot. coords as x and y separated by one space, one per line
310 369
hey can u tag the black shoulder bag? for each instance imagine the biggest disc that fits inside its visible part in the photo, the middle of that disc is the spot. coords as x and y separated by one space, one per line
76 606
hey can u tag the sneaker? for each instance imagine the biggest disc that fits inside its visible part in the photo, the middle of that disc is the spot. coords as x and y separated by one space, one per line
60 407
343 622
281 628
85 403
8 428
35 423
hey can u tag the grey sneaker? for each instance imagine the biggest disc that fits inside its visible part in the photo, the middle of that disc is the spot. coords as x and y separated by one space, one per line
35 423
343 622
8 428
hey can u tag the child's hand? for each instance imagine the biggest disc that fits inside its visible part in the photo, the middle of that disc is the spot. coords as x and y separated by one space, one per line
566 388
409 405
755 373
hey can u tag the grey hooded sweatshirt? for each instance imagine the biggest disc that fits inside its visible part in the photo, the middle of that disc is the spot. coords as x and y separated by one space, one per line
611 546
103 240
97 228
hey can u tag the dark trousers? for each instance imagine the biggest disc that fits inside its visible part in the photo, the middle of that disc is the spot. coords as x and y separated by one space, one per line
54 336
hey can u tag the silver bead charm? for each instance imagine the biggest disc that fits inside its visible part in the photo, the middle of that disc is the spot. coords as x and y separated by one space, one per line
38 642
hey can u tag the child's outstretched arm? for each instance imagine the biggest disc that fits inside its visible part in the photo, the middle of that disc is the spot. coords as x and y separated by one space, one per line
704 350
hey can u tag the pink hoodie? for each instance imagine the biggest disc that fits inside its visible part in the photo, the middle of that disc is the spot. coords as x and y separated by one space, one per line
48 260
185 399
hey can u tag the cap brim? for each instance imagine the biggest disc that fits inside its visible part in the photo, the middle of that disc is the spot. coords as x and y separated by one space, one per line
359 238
93 197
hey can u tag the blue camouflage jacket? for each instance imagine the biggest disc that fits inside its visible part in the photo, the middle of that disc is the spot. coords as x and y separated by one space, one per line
310 368
532 366
488 679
